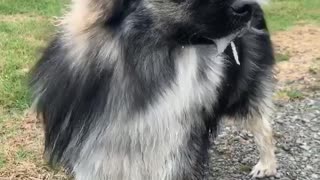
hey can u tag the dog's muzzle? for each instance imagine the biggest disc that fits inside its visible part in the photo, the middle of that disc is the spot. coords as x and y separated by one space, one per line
241 11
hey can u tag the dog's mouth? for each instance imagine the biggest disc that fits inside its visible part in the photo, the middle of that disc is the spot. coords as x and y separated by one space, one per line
222 43
242 31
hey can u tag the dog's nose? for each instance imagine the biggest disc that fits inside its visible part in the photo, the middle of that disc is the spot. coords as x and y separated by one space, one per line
242 9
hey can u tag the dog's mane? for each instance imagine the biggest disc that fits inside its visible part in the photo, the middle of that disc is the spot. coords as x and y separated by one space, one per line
112 89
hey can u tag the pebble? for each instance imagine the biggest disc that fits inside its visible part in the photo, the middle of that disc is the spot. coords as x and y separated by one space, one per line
278 175
285 147
305 147
315 128
314 176
297 136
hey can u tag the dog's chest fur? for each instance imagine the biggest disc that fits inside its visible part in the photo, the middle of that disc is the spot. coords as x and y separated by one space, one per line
154 143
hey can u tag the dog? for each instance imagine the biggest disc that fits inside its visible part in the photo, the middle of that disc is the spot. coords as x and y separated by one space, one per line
135 89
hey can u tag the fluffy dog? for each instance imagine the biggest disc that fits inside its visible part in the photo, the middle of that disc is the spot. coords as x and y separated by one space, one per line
134 89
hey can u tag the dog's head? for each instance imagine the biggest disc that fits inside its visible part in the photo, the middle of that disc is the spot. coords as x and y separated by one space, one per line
174 21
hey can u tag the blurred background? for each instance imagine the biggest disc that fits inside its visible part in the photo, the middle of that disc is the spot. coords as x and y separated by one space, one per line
26 26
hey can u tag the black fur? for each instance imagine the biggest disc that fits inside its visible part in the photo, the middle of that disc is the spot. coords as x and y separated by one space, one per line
71 100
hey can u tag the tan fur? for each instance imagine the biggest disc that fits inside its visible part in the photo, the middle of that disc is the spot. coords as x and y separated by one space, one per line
262 133
84 14
261 129
82 24
259 125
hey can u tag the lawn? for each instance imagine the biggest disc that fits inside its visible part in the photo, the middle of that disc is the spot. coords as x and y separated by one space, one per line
282 14
25 27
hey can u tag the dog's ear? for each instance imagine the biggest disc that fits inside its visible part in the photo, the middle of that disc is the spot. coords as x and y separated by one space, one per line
87 13
117 9
106 9
109 11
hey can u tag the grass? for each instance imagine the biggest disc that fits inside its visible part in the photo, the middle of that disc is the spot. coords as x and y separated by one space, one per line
25 26
315 68
245 168
280 57
282 14
37 7
294 94
289 94
2 161
22 155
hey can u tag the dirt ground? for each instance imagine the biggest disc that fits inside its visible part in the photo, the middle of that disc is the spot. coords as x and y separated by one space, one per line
300 71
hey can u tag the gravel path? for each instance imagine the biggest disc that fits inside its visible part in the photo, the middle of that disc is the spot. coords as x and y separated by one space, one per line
297 132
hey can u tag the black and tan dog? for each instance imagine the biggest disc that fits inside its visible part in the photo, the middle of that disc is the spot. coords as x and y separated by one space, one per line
133 89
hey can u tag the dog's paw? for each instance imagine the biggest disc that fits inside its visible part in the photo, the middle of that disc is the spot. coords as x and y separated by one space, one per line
264 170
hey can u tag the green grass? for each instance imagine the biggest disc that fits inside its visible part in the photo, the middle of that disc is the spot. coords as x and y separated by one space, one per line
282 14
295 94
290 94
2 160
18 48
22 33
280 57
23 154
25 27
38 7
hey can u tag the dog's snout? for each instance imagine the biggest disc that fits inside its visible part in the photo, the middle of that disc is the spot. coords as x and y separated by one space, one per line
242 9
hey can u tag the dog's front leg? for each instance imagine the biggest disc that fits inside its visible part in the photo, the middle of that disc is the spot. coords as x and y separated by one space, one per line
260 126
